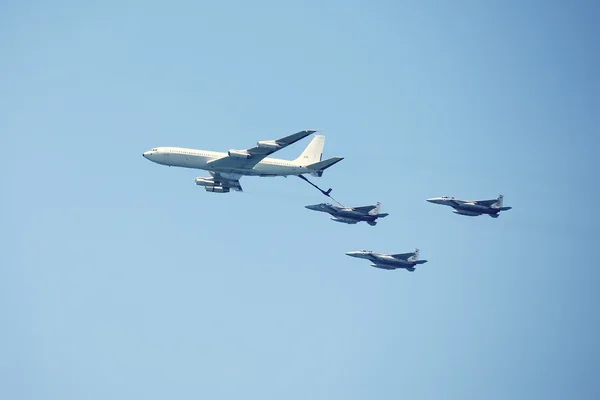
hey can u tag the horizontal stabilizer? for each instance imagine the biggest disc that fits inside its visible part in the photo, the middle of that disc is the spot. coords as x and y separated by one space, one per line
320 166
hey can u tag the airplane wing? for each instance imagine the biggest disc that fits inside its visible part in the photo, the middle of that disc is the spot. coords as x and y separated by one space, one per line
403 256
230 181
247 159
487 203
364 209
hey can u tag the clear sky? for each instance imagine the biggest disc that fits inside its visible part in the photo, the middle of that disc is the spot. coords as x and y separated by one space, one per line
121 279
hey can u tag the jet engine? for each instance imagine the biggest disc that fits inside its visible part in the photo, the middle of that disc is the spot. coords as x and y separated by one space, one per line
205 181
268 144
469 213
216 189
239 154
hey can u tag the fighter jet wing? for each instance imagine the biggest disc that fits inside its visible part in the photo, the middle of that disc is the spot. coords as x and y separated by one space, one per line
364 209
487 203
247 159
403 256
227 180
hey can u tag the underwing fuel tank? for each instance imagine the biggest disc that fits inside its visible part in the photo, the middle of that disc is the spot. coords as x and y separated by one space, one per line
217 189
469 213
345 220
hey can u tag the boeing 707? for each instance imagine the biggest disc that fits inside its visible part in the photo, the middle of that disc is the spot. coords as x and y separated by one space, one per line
227 168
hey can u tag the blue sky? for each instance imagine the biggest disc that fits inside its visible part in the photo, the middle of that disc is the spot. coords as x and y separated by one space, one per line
124 280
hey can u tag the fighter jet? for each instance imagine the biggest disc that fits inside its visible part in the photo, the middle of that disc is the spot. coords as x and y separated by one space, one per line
472 208
390 261
351 215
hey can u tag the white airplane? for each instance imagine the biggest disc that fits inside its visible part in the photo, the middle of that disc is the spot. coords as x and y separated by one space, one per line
227 168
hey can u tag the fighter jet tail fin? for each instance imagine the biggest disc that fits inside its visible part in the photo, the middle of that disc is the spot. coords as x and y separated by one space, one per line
499 205
313 152
376 210
415 257
499 202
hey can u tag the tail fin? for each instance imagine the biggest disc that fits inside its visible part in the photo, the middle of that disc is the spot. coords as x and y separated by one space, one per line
313 152
415 257
499 202
499 206
376 210
318 167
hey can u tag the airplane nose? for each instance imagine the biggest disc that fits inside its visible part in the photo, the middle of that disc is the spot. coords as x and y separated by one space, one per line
432 200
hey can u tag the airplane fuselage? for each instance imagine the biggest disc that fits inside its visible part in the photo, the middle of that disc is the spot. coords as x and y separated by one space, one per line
200 159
